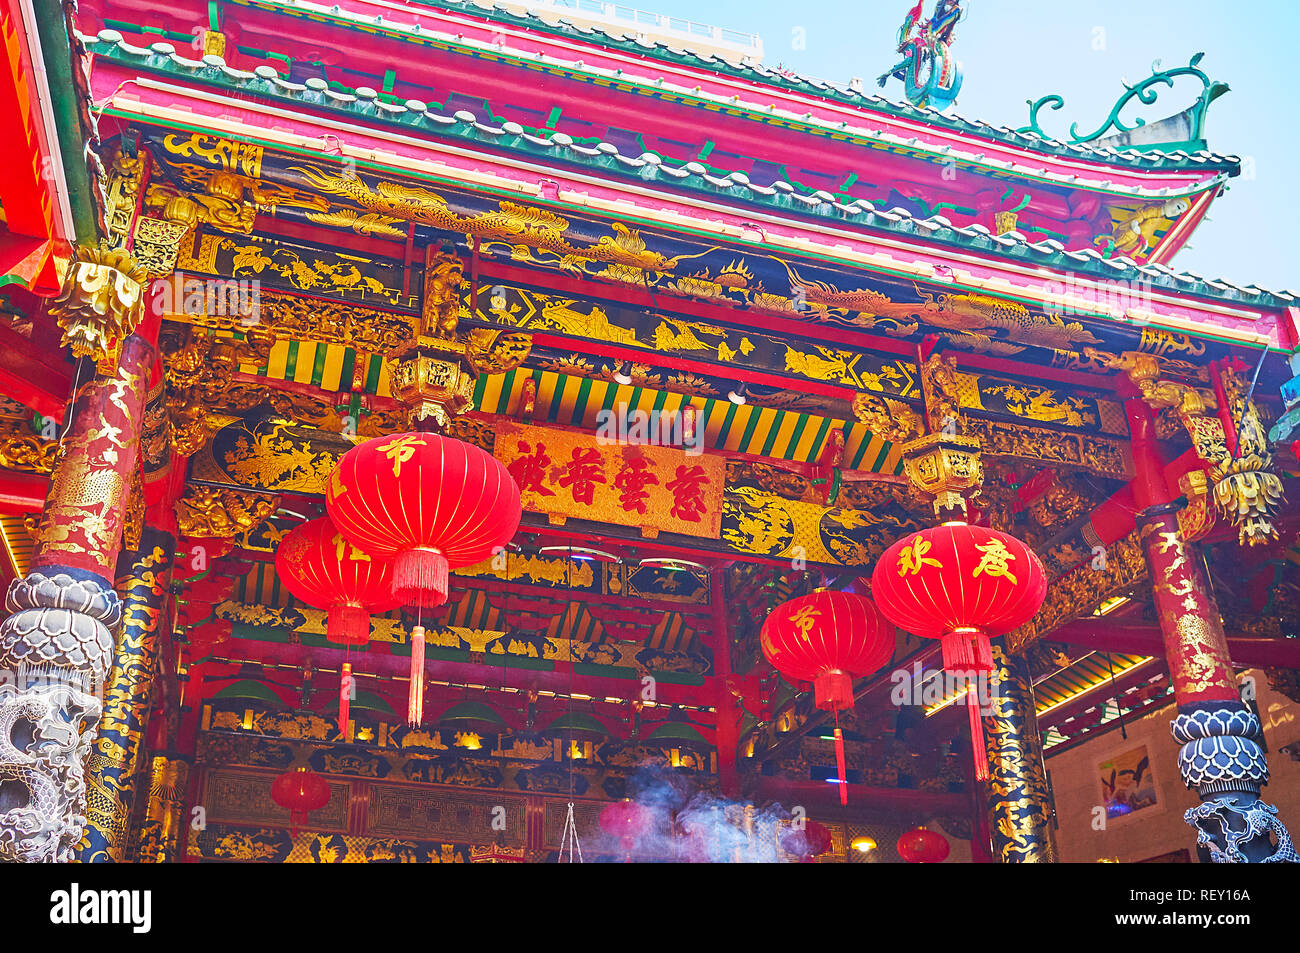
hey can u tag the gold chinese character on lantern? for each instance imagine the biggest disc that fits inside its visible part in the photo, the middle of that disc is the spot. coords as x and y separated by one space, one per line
995 560
912 559
805 619
401 449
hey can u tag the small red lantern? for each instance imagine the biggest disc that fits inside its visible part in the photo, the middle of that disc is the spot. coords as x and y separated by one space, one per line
807 844
923 846
300 792
320 567
828 638
625 820
961 584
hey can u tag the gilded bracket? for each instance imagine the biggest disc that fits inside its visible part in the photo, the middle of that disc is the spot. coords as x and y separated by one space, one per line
207 512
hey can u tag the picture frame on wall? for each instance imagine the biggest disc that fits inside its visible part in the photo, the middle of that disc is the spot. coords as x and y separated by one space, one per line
1128 784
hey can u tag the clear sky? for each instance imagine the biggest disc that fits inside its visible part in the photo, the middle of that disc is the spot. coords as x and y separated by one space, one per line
1014 50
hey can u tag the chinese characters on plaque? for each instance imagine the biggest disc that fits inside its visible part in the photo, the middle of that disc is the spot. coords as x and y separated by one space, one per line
658 488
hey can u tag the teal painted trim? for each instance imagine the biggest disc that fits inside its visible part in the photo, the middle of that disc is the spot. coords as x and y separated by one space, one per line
66 106
861 213
1145 92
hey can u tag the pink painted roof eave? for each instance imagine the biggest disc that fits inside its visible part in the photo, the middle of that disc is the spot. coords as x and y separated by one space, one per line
561 51
840 240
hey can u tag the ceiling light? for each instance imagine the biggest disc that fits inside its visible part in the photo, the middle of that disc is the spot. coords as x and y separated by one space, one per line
621 375
737 394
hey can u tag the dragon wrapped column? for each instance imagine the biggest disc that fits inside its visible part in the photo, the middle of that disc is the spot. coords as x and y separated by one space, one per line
57 641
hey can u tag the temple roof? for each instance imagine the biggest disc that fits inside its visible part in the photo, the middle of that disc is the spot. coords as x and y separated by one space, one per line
789 80
780 196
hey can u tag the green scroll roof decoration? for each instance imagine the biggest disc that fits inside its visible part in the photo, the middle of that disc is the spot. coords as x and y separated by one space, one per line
1188 125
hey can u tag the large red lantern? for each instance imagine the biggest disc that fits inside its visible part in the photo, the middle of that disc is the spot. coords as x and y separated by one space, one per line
960 584
807 843
922 846
427 502
828 638
431 504
300 792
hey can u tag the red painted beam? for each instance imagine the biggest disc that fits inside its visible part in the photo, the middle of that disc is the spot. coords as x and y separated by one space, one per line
22 492
1147 640
560 680
35 378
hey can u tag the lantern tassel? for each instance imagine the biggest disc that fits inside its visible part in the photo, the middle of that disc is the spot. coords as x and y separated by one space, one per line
348 625
345 698
415 699
840 762
967 649
977 734
420 577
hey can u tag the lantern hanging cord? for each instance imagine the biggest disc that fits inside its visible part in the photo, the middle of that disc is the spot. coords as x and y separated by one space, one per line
1119 709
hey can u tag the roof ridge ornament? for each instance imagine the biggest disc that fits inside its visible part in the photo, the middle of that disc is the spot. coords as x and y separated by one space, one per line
931 75
1184 129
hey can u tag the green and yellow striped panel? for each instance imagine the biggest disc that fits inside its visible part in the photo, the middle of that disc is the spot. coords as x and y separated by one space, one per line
760 431
474 611
672 634
1087 673
262 587
576 401
18 545
577 624
327 366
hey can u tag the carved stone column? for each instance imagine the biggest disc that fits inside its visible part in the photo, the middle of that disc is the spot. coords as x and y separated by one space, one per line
159 835
113 765
1018 800
57 641
1220 755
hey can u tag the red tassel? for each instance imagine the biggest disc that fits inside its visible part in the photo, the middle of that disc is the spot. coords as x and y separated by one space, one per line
977 734
345 698
348 625
420 577
840 763
833 691
415 698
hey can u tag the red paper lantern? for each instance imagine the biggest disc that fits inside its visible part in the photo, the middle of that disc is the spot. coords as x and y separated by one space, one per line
828 638
961 584
427 502
300 792
625 820
431 504
807 844
320 567
923 846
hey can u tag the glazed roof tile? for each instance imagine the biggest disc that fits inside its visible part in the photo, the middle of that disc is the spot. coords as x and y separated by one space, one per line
779 196
787 80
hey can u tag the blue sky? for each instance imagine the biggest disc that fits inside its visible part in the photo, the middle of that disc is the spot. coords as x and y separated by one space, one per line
1014 50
